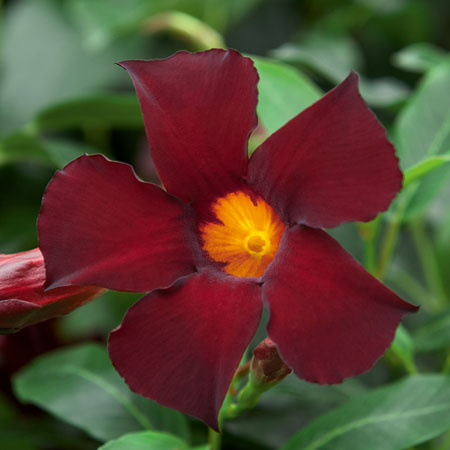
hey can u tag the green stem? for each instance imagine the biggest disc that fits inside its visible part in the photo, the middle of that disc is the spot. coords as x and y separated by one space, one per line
430 266
369 233
214 439
387 249
198 34
391 234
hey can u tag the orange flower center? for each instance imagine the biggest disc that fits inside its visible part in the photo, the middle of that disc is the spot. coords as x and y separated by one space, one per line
247 236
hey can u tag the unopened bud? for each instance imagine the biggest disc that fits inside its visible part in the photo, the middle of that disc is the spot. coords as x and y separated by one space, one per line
266 364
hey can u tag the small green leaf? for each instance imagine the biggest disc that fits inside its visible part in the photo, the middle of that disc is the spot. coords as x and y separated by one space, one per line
147 440
419 57
106 111
421 169
394 417
435 334
79 385
283 93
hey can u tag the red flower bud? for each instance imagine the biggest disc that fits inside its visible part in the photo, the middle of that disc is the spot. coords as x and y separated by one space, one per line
23 300
266 364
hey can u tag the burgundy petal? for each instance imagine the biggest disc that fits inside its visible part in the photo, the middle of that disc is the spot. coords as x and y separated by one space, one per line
199 110
181 346
329 317
100 225
23 300
330 164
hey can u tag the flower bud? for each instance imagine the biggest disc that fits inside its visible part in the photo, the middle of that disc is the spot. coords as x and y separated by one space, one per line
266 364
23 300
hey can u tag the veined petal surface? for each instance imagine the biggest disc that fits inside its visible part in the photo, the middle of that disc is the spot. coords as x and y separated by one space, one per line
329 317
181 346
199 110
23 300
99 224
330 164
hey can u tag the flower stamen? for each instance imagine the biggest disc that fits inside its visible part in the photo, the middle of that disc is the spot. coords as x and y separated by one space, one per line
246 237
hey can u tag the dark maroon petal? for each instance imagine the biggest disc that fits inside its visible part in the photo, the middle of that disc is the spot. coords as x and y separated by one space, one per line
181 346
199 110
330 164
100 225
24 302
329 317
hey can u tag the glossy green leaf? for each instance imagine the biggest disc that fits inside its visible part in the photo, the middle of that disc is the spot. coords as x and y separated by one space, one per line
283 92
80 386
423 131
394 417
148 440
106 111
419 57
435 334
423 127
288 406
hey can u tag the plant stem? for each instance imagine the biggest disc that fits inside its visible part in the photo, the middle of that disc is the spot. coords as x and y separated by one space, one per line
369 233
214 439
391 235
430 266
196 33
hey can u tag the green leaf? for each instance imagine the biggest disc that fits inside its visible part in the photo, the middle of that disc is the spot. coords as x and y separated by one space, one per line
331 56
148 440
33 78
422 130
105 111
80 386
23 147
394 417
289 405
423 127
334 57
419 57
435 334
421 169
283 92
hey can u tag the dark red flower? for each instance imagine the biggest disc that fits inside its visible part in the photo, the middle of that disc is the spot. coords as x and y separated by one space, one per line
229 233
23 300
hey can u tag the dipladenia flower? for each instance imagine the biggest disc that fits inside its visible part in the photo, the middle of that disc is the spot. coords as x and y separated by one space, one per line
24 302
229 233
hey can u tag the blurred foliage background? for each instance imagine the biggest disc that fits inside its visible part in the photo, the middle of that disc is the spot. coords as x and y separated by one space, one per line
61 96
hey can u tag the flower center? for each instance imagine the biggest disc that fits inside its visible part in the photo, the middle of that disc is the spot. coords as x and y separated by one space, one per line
246 237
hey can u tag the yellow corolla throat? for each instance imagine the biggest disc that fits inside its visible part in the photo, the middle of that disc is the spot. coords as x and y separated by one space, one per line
247 237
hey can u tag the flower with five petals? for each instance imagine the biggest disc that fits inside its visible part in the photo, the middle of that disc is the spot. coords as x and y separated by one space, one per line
229 233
